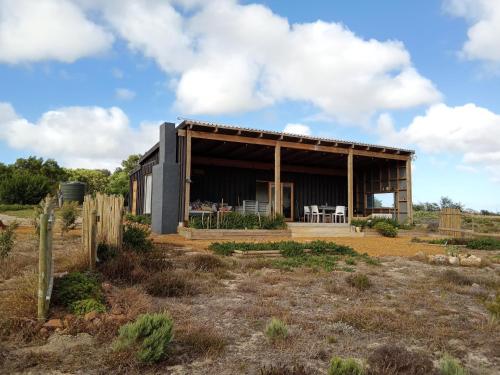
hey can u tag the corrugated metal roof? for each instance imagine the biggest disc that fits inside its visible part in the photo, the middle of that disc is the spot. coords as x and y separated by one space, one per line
188 122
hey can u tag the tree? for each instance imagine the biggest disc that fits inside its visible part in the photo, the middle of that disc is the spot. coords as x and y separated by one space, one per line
24 188
96 179
446 202
119 181
48 168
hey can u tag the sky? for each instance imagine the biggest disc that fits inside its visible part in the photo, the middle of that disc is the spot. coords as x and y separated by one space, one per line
87 82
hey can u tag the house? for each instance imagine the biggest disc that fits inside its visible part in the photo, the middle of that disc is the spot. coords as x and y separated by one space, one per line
240 167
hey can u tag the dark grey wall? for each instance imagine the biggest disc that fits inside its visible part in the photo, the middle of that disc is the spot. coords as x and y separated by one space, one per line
166 183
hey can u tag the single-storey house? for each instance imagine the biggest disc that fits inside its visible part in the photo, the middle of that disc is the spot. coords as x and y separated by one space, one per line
197 164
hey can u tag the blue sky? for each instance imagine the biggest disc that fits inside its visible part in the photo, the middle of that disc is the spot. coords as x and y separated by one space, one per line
91 88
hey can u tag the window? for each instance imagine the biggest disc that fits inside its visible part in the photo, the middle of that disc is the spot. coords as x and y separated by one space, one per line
383 200
148 193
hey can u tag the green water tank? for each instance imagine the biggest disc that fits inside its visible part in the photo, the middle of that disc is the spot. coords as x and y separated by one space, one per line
73 191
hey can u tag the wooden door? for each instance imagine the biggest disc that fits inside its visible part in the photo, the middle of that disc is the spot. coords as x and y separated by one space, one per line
134 197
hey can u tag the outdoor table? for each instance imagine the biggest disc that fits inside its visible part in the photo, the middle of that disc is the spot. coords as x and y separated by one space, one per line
324 209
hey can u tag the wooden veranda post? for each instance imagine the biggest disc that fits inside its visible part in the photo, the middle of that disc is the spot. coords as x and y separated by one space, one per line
277 179
408 190
350 190
187 182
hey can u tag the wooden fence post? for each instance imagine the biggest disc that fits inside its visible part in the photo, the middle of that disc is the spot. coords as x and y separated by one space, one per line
93 239
42 267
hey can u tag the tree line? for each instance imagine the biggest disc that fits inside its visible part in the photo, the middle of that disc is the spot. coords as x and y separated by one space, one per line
29 180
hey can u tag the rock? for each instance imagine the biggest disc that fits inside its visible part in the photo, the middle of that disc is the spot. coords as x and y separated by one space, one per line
420 256
90 316
454 261
470 261
438 259
54 324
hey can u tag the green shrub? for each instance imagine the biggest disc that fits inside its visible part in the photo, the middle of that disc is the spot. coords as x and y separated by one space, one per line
236 220
349 366
276 330
359 281
68 216
76 286
359 223
149 335
350 261
140 219
136 238
85 306
24 188
386 229
316 262
372 222
106 252
7 239
450 366
484 244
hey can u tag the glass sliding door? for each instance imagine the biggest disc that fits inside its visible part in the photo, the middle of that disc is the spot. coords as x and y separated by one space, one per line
286 199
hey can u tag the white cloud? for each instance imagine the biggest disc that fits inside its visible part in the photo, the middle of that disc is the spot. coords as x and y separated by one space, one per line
124 94
483 41
469 131
39 30
90 137
251 58
297 129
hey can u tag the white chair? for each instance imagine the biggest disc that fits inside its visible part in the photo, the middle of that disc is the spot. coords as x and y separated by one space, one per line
315 213
339 213
307 213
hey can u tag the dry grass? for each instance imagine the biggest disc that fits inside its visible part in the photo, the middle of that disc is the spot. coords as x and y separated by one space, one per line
15 264
124 268
359 281
205 262
200 340
396 360
132 301
172 284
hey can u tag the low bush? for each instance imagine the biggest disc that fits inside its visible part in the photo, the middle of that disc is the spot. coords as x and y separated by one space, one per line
484 244
140 219
76 286
205 262
350 261
68 214
149 335
386 229
316 262
106 252
155 261
456 278
349 366
359 281
24 188
359 223
450 366
201 340
124 268
136 238
171 284
391 359
15 207
85 306
7 240
276 330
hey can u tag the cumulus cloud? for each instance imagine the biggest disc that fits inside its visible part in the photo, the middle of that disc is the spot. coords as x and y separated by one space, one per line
300 129
124 94
483 41
91 137
250 58
470 131
39 30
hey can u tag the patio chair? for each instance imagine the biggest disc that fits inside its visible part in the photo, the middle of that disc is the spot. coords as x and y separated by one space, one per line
316 213
307 213
339 213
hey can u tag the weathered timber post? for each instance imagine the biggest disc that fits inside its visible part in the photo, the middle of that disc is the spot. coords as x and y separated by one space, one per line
42 267
93 239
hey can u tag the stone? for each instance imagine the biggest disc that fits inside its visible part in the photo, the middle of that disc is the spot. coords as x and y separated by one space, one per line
438 259
90 316
54 324
470 261
454 261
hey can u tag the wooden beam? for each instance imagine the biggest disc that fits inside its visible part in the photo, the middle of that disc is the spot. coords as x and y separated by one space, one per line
187 182
409 191
244 164
295 145
277 179
350 192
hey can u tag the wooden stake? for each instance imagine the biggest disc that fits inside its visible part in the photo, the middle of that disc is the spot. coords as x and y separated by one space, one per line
42 268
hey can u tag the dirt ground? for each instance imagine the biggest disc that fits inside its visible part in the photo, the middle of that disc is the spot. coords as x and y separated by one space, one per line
374 246
409 303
